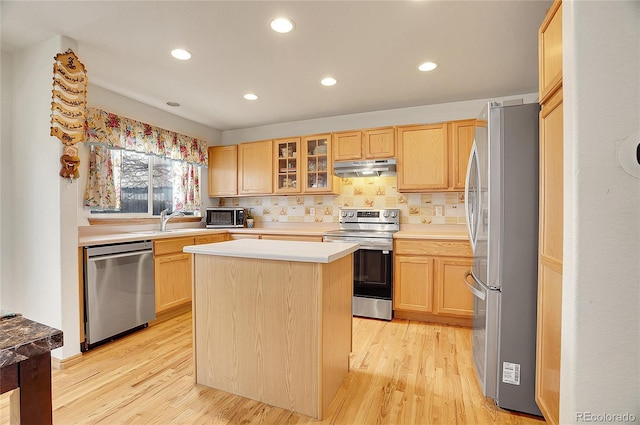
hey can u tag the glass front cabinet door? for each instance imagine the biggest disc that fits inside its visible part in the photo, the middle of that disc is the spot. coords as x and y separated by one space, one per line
318 165
287 161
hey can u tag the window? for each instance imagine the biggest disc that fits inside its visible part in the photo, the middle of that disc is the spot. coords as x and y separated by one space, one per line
138 168
143 183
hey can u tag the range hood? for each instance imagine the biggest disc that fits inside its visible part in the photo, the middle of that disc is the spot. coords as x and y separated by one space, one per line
371 167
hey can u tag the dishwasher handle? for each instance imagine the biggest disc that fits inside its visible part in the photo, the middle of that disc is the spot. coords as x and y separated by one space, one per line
472 288
121 255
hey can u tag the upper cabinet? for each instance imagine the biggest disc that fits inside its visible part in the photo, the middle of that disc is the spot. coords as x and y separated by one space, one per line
379 143
423 154
255 168
550 52
434 157
347 145
318 165
462 134
366 144
286 165
223 170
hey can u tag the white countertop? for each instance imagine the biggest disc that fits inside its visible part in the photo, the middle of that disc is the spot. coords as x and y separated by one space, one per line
310 252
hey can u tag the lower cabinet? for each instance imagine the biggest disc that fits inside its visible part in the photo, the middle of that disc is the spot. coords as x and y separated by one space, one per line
302 238
276 237
429 281
413 286
173 269
219 237
452 296
172 272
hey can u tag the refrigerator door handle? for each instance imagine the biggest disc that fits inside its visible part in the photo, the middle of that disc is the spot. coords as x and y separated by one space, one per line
473 205
466 194
472 288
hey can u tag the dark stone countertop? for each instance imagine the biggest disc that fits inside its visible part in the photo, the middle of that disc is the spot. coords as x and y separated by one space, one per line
21 339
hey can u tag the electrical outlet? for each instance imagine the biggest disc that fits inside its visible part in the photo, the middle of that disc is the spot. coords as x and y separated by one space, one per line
438 210
312 211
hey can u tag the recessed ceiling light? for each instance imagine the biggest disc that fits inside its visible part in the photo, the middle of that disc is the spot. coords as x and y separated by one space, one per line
250 96
328 81
427 66
181 54
282 25
174 104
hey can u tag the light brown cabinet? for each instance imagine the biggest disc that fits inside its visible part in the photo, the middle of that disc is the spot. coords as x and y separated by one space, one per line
347 145
413 283
223 170
301 238
172 272
452 296
216 237
550 247
255 168
379 142
276 237
173 269
462 134
286 165
318 165
423 158
429 281
433 158
550 52
366 144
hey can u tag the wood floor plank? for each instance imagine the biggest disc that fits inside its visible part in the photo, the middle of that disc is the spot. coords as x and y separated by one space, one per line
402 373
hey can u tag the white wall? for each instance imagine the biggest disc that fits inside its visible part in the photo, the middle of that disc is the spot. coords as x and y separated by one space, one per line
39 211
39 281
415 115
107 100
600 370
6 170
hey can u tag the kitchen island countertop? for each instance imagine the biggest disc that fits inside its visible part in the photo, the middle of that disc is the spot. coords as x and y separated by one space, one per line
311 252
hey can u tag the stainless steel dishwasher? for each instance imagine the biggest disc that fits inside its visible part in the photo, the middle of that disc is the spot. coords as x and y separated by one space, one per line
119 290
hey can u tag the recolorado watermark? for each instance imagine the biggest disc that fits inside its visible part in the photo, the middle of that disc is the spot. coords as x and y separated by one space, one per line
605 417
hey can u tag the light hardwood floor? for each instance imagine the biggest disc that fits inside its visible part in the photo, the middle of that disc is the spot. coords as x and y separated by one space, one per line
402 372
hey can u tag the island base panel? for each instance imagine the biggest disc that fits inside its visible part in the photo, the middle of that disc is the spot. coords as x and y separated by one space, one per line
273 331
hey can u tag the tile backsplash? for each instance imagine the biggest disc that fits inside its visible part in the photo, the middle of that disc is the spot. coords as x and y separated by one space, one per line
372 192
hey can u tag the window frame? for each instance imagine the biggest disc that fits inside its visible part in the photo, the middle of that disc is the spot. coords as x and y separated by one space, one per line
149 214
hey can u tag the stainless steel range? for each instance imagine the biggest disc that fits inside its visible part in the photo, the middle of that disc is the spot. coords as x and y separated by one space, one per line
373 229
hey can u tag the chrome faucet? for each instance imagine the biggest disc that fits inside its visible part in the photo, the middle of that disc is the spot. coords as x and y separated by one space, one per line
164 218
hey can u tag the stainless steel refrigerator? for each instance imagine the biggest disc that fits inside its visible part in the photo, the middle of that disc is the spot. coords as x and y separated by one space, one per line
502 218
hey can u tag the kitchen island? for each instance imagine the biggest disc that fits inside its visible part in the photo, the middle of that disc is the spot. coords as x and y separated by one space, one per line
272 320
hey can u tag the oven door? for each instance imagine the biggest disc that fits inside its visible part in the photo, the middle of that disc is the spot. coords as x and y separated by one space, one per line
373 273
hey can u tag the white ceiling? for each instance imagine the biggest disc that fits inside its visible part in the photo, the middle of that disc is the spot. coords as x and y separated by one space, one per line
484 49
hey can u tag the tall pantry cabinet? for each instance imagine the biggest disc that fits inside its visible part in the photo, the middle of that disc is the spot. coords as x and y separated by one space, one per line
551 211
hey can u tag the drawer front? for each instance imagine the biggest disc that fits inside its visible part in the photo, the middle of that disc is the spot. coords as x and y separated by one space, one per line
171 246
432 248
303 238
212 238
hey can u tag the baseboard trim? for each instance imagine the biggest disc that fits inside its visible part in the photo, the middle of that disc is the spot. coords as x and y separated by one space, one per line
433 318
171 313
60 364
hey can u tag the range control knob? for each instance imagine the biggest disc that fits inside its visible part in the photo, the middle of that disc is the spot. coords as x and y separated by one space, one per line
351 213
385 213
343 213
394 214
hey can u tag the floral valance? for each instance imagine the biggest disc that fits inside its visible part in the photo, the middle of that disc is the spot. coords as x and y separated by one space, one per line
116 132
